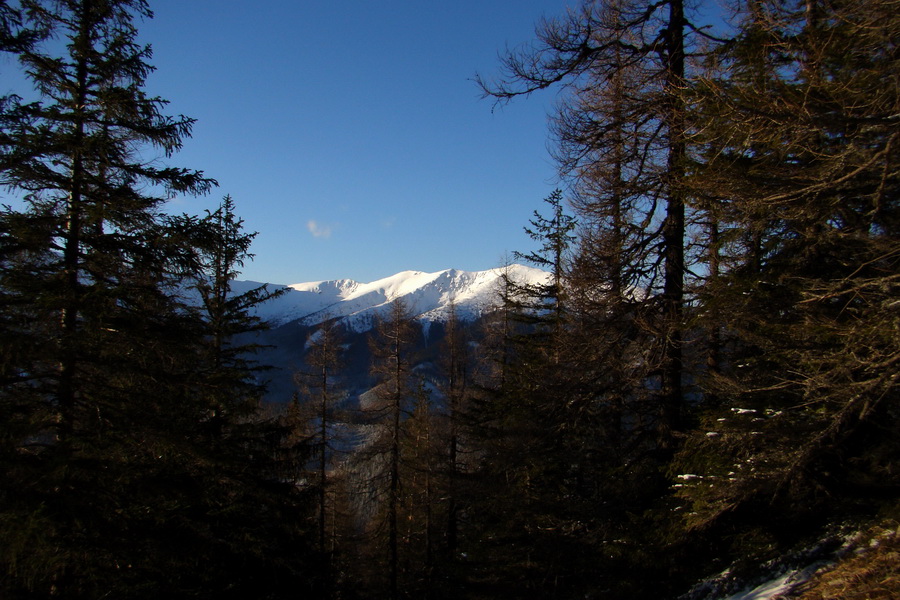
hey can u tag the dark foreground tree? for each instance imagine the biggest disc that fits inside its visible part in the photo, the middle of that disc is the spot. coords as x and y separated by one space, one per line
110 485
800 136
232 387
767 180
622 142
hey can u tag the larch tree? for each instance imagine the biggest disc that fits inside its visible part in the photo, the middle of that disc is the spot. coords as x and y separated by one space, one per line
391 346
455 366
422 492
619 396
801 134
319 385
622 139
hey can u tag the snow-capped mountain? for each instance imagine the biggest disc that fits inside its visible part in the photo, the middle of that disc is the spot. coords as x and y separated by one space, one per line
294 315
427 295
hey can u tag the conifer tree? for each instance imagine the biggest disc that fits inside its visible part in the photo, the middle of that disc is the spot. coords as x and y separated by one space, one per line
15 34
456 367
319 384
771 173
391 346
108 488
73 156
800 146
223 248
622 144
555 235
91 260
598 50
421 499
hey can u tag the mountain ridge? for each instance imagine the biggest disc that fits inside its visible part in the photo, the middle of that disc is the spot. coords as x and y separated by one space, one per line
356 304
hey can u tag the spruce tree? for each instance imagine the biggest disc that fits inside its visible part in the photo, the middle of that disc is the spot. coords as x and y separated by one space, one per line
92 262
555 235
232 388
109 484
15 34
74 156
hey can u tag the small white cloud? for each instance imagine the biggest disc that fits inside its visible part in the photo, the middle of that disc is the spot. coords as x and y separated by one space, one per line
318 230
388 222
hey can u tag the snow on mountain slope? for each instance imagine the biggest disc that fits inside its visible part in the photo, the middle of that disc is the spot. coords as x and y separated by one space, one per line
427 295
293 305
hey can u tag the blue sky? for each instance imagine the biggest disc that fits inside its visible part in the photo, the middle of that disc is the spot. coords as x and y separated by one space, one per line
350 133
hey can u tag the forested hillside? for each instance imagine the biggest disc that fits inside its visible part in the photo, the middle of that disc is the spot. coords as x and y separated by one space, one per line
704 388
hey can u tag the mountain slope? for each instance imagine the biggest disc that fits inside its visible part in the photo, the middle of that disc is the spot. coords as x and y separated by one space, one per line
294 316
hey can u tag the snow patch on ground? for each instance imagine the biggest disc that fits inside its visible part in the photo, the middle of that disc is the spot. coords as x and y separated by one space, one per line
776 588
782 577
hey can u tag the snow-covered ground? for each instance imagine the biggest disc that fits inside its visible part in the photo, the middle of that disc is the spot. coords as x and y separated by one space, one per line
846 554
777 587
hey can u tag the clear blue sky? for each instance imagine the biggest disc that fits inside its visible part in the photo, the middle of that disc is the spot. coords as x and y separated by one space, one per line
350 133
